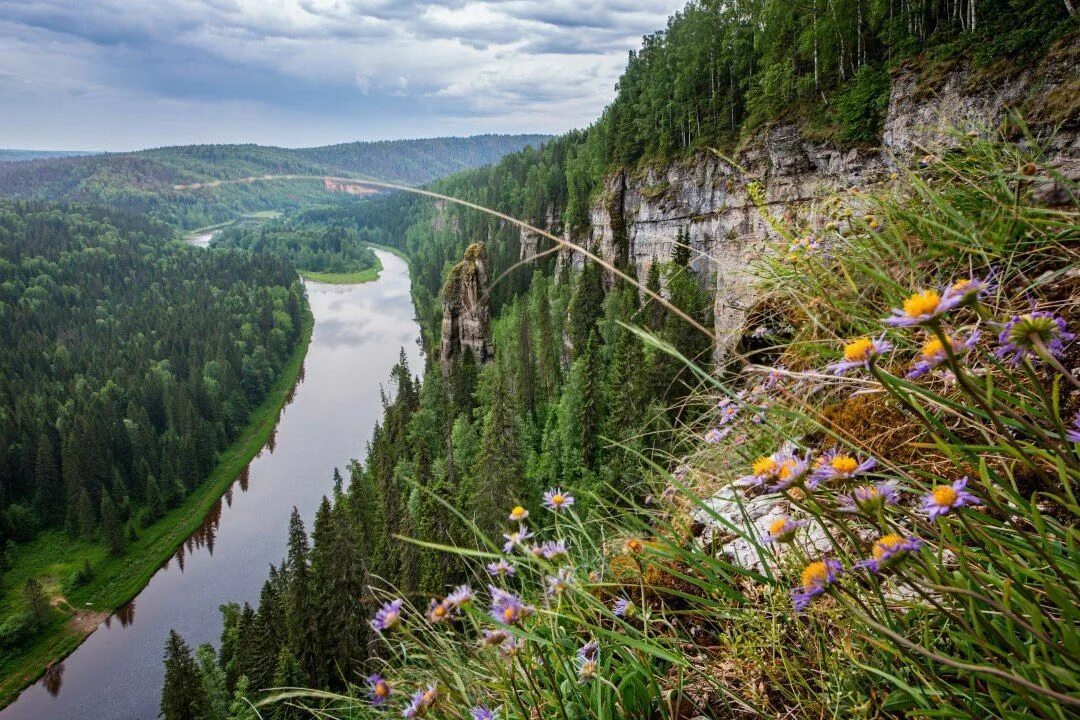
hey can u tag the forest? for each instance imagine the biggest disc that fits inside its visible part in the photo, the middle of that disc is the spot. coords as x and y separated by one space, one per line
313 248
129 361
575 401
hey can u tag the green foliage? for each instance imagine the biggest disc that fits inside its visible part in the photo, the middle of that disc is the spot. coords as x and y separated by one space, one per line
183 696
861 105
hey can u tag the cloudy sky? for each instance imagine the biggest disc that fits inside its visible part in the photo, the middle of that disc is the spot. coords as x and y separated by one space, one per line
125 74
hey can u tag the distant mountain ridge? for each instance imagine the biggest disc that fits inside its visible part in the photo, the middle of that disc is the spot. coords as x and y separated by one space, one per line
17 155
142 181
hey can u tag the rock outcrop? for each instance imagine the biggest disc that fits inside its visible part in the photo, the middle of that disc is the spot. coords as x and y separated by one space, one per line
466 313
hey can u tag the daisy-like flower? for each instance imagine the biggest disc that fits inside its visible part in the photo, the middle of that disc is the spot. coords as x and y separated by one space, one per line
869 499
460 596
728 413
816 579
556 500
633 546
495 637
388 616
791 473
589 651
837 465
782 530
518 514
715 435
1021 335
860 353
482 713
888 550
553 549
1073 433
923 308
378 689
536 550
507 608
934 353
622 608
510 648
943 499
422 701
501 569
967 291
560 582
763 470
588 657
438 611
516 538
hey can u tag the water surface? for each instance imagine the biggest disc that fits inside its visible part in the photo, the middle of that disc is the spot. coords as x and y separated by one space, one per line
117 673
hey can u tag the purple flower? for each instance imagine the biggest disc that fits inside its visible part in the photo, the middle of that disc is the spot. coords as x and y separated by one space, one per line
388 616
589 651
507 608
1073 433
1021 335
924 308
869 499
791 473
482 713
763 470
943 499
934 353
715 435
817 578
621 607
518 514
888 550
501 568
422 701
378 689
860 353
783 529
553 549
515 538
438 611
510 648
495 637
728 413
834 465
560 582
967 291
459 596
555 500
588 655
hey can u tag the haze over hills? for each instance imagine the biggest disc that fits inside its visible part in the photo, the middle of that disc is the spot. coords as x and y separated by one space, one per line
143 181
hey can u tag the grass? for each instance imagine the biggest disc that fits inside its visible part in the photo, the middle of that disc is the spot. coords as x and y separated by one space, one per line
361 276
53 557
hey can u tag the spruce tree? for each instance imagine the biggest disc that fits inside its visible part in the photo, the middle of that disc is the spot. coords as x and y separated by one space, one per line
301 611
586 306
37 602
112 531
183 696
287 674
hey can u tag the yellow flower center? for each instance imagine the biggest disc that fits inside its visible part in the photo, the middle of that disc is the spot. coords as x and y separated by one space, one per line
844 464
778 526
886 544
922 303
557 499
785 469
858 350
381 689
961 285
510 614
439 611
944 495
517 512
764 466
633 545
816 573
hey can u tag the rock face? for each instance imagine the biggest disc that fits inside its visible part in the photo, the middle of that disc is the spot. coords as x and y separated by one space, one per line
707 197
466 314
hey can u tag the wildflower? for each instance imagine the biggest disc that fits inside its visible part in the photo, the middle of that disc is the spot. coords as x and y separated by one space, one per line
762 470
587 658
633 546
835 465
1073 433
623 608
923 308
438 611
589 651
860 353
667 495
515 538
553 549
555 500
869 499
888 550
943 499
506 607
967 291
460 596
510 648
482 713
495 637
791 473
1024 334
816 579
782 530
500 569
715 435
422 701
934 353
518 514
536 550
388 616
560 582
378 689
729 413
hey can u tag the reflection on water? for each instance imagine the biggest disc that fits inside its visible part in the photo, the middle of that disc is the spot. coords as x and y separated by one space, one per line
117 673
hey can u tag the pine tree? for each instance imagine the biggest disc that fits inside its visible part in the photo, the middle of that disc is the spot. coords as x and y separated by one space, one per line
549 367
213 679
50 493
526 377
112 531
655 312
500 464
155 502
37 602
287 674
183 696
591 411
301 611
586 306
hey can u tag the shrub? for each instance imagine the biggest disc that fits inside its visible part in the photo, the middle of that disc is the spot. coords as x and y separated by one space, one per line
16 629
861 105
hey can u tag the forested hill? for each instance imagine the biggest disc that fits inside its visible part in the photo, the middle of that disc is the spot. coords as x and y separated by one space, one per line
143 181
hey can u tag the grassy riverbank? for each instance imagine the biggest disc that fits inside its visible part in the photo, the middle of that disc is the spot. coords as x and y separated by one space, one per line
361 276
53 557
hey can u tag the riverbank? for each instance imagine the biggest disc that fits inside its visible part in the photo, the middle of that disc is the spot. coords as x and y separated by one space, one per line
53 557
361 276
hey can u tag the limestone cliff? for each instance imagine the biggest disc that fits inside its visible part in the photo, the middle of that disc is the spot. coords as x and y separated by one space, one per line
466 314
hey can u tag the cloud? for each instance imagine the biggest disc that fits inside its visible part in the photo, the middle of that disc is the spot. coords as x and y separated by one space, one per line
310 71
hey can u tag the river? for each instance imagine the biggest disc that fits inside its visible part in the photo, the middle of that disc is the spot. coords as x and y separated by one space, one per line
117 673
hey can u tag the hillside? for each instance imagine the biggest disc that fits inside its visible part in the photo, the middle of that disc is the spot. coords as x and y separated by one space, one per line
143 181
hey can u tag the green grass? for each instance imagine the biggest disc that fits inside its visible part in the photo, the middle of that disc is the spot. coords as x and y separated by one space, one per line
53 557
361 276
